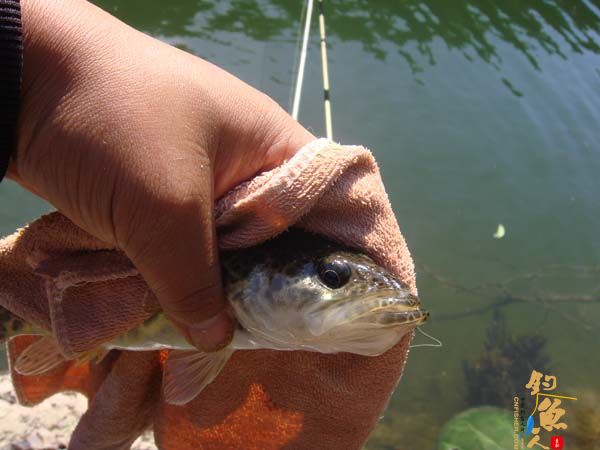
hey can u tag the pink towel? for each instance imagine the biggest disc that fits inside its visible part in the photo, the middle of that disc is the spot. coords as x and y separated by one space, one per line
87 292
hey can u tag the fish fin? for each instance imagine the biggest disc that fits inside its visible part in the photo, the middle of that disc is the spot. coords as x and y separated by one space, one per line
40 357
187 373
44 355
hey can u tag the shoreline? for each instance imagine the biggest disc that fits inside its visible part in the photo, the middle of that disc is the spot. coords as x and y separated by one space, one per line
47 426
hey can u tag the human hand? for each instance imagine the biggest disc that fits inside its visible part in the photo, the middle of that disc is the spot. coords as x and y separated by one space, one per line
133 139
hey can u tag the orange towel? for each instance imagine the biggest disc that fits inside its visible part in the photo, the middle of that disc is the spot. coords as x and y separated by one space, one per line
86 292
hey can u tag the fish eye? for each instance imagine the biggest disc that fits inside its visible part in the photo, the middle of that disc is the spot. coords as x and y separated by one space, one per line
334 274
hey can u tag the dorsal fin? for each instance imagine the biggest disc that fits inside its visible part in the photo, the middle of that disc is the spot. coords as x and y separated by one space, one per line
187 373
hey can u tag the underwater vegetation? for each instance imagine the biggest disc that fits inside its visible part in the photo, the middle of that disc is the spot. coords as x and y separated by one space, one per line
584 422
504 365
482 428
405 429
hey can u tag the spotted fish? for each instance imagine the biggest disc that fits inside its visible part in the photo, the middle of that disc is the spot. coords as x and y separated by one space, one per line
299 291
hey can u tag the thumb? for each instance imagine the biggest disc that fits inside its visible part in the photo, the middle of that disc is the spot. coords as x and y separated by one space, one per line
175 250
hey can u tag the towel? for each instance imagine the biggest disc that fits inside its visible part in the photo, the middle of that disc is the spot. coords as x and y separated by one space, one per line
87 292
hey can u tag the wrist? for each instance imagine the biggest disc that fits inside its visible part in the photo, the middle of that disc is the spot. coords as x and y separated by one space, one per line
56 35
47 42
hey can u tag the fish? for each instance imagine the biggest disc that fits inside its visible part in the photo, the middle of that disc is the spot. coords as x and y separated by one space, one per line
297 292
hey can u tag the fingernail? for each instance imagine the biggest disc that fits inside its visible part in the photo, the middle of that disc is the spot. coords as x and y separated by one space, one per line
212 334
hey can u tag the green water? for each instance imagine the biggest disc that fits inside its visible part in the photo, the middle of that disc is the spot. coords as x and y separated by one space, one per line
479 113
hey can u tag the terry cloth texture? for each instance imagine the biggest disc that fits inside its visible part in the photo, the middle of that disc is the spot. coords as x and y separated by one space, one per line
10 77
87 292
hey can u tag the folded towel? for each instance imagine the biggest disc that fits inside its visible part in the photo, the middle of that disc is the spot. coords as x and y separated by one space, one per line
87 292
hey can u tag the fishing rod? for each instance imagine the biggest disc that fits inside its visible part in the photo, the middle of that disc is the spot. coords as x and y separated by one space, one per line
325 70
302 64
324 67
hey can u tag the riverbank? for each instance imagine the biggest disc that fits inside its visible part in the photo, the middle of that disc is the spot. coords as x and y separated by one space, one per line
48 425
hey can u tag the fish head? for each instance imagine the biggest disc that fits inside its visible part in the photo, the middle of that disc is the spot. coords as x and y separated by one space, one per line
323 297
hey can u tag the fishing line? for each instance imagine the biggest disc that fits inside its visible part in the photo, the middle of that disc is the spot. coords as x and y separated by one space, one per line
302 63
325 67
438 343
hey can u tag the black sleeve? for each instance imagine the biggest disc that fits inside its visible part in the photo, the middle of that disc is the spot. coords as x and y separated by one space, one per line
11 56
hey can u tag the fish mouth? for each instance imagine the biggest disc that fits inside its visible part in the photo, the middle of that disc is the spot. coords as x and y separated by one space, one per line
415 318
398 308
386 310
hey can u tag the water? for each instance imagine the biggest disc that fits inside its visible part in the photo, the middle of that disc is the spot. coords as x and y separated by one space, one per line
479 114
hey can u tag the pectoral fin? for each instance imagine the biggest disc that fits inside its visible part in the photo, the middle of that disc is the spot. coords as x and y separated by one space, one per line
187 373
44 355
